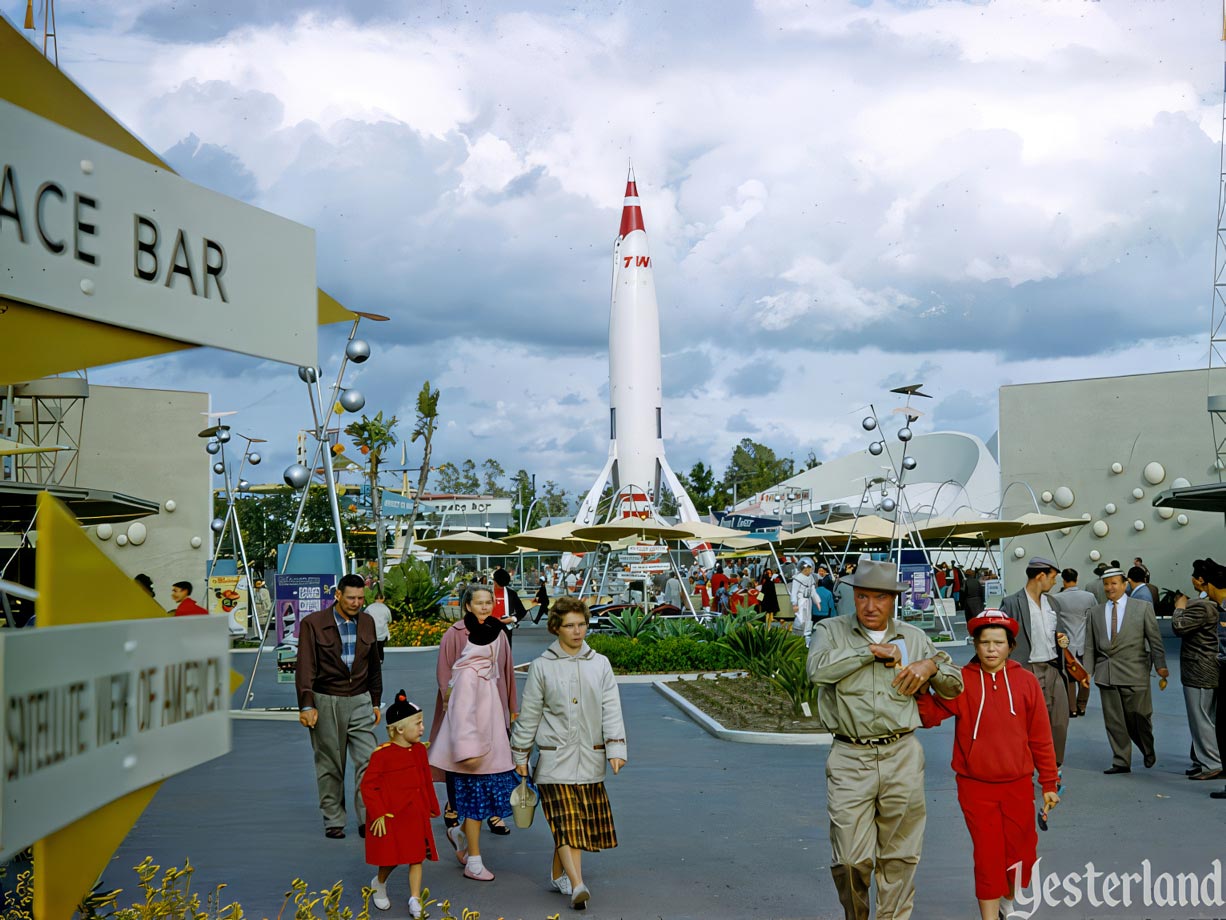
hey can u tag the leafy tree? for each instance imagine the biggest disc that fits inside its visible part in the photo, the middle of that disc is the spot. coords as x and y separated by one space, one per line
753 468
493 472
373 436
811 461
469 483
448 479
423 429
266 520
700 483
555 501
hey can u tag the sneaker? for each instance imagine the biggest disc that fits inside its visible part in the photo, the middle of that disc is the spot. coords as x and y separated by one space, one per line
459 840
379 898
579 898
415 908
561 884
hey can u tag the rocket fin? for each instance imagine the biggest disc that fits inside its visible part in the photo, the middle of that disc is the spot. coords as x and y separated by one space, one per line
685 505
587 510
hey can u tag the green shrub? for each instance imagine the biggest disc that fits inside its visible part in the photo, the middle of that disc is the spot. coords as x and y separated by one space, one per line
633 622
722 626
678 653
413 632
761 650
792 677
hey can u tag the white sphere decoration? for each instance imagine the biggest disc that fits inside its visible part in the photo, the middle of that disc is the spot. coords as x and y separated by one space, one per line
888 505
1101 529
1138 526
1110 508
1019 552
170 505
909 463
296 475
1095 555
1154 472
254 459
1117 468
1086 516
195 542
219 467
1182 520
357 351
868 423
904 434
1047 497
244 485
137 533
1166 513
104 531
352 401
1138 493
216 525
876 448
121 540
1179 483
1066 530
212 447
1064 497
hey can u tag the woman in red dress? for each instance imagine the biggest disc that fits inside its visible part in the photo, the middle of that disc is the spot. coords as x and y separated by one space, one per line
399 794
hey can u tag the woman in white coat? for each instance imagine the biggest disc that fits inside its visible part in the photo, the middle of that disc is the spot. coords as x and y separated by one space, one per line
571 710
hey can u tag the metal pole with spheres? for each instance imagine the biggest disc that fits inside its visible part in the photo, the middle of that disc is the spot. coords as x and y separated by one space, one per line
341 399
219 435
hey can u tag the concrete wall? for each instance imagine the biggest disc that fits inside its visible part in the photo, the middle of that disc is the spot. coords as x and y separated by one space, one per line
1069 433
144 443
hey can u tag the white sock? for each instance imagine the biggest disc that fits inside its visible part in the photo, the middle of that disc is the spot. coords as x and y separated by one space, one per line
475 865
1006 904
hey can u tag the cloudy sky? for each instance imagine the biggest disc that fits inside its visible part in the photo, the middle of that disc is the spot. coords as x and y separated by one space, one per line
840 197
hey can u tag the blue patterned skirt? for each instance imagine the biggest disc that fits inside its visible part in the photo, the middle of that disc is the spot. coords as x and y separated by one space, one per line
484 795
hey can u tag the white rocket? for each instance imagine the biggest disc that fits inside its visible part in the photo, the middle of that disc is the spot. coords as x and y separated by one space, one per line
636 467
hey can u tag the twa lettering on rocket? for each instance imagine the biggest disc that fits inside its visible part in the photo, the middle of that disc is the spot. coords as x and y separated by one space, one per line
636 466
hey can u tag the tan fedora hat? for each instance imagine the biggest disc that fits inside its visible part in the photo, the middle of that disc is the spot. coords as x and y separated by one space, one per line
874 575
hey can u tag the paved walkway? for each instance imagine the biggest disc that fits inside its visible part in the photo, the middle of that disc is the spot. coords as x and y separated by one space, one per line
708 829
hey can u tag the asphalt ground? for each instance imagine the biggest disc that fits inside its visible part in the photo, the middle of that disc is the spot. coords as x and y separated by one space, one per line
707 828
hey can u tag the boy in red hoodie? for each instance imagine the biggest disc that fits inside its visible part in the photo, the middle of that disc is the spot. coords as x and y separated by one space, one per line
1001 738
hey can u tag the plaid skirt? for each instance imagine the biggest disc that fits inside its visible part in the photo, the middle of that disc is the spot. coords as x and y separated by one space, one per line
579 816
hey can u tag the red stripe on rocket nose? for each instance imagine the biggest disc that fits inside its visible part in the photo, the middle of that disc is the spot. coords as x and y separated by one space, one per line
632 214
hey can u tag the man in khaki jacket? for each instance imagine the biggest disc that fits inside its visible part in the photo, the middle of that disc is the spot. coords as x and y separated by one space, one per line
868 668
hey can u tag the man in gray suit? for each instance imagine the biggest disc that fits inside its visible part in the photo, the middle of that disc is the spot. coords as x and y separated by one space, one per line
1073 607
1122 644
1037 647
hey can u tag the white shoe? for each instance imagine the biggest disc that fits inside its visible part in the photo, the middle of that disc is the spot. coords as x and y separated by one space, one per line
459 840
379 898
579 898
415 908
561 883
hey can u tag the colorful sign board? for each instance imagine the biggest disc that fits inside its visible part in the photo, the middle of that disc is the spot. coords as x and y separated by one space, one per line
92 232
227 595
297 597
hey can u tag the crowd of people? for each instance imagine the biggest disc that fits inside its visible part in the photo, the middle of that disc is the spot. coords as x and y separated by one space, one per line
879 680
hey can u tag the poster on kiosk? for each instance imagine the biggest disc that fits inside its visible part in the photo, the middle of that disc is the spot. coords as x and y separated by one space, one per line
298 596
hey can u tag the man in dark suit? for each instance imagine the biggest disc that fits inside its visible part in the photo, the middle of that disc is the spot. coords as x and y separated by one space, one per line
340 685
1122 644
1038 650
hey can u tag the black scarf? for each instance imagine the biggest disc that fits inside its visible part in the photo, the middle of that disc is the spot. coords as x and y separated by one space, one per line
482 633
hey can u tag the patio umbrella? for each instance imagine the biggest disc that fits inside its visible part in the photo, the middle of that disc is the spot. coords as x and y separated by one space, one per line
713 533
1038 523
867 529
634 527
467 542
812 537
554 538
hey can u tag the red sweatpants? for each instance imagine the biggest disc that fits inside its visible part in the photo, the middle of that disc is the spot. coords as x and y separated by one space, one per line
1001 819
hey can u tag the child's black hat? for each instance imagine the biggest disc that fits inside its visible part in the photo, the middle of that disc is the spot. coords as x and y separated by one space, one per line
401 709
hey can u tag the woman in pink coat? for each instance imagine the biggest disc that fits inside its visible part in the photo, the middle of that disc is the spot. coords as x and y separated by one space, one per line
469 737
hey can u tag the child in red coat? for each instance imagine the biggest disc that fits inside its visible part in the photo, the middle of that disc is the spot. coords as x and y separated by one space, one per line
399 794
1002 736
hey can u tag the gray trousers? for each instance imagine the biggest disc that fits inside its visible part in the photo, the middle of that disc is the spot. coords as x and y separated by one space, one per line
875 801
345 730
1055 695
1128 714
1201 704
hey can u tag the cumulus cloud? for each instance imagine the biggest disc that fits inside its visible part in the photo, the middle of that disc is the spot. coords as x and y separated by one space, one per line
837 196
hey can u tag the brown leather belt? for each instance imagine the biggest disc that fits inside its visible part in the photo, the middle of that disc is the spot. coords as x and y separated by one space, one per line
545 747
873 742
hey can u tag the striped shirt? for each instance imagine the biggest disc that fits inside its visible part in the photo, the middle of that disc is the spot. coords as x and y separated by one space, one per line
349 637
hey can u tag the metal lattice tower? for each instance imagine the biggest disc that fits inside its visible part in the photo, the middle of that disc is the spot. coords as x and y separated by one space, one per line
1217 313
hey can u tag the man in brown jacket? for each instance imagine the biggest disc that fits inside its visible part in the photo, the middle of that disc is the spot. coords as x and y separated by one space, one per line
340 685
1195 621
